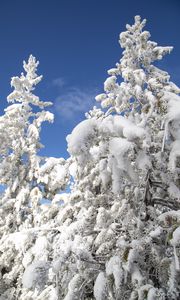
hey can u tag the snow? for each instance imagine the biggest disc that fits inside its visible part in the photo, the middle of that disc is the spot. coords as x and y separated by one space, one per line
54 172
174 155
27 259
103 218
118 147
100 97
176 237
113 71
132 132
175 215
19 239
157 232
100 287
33 131
176 258
143 161
173 113
175 242
73 288
174 191
139 76
63 197
152 295
35 275
109 83
136 275
150 292
113 267
53 295
13 108
119 163
73 168
80 137
44 116
40 249
124 127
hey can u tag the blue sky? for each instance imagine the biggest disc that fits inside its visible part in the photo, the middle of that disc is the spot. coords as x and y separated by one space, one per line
76 42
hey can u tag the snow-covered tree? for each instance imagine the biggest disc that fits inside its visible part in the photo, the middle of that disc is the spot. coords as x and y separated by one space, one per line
119 231
26 177
117 235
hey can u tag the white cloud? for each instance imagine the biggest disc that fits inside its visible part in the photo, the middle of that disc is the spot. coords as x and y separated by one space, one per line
59 82
74 102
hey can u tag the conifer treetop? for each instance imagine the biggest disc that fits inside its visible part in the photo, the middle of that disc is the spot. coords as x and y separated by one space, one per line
25 84
143 84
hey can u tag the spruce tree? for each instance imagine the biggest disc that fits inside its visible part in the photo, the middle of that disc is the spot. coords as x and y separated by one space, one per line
118 233
26 178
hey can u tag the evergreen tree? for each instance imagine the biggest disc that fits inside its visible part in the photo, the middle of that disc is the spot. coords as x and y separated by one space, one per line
27 178
118 230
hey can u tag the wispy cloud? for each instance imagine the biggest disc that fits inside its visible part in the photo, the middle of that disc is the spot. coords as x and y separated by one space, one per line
59 82
74 101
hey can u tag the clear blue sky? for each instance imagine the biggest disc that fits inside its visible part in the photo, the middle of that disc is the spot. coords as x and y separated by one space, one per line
76 42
